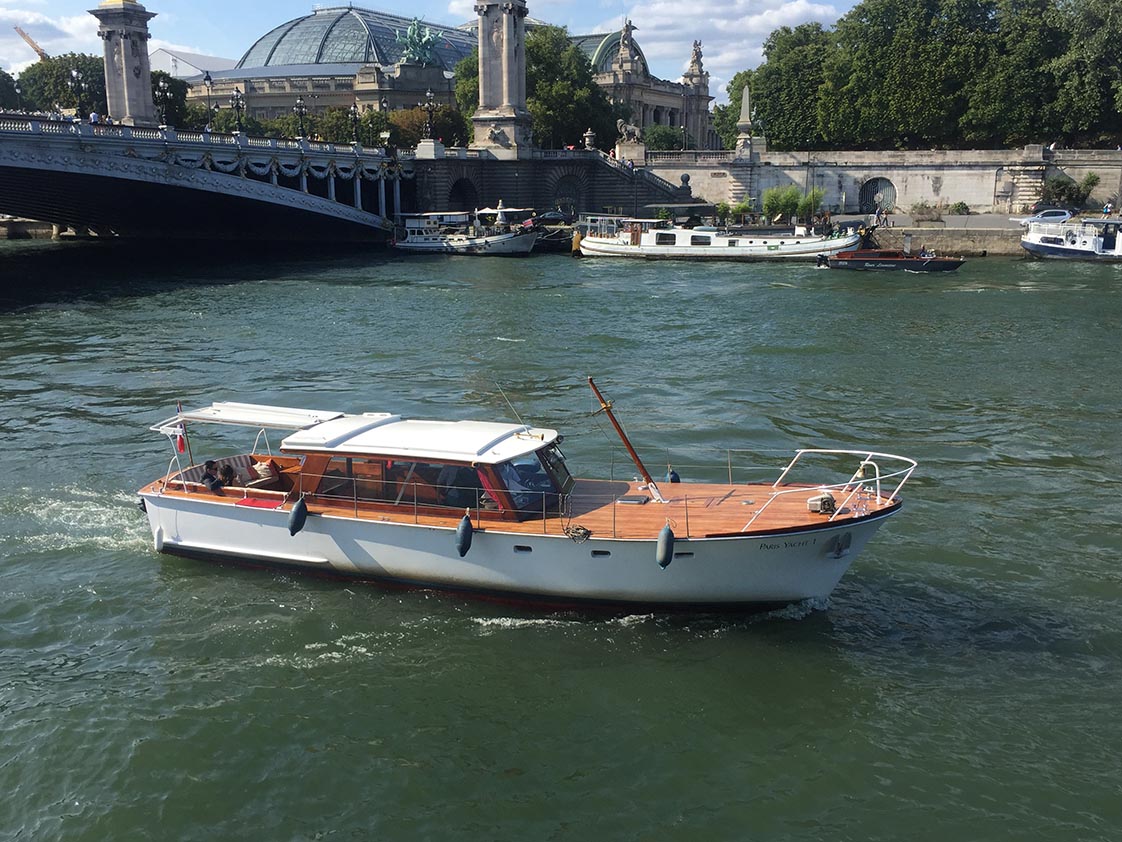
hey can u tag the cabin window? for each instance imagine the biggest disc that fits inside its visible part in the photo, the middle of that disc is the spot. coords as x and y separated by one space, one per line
699 240
350 478
665 239
529 484
733 243
554 461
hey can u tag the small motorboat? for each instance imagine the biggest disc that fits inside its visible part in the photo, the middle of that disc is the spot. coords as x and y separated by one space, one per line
890 260
491 509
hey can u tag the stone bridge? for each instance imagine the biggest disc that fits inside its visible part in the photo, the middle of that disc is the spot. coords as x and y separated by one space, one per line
157 183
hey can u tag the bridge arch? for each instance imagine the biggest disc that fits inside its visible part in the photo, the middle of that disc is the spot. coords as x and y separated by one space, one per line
568 189
463 194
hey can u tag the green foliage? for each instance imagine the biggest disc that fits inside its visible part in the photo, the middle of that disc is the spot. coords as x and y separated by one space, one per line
48 84
782 201
809 204
1066 191
723 212
8 98
921 74
959 209
663 138
785 88
924 212
171 104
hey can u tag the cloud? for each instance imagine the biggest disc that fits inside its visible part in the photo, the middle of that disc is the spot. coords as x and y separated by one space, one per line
55 35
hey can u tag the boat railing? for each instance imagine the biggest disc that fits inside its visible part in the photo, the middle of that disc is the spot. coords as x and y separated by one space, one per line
859 486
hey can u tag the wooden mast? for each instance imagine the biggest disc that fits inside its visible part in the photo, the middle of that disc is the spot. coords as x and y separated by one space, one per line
606 408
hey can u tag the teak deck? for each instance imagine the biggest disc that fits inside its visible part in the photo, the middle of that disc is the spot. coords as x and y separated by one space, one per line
693 510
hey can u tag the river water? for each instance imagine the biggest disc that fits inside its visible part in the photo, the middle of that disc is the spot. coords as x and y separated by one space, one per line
963 682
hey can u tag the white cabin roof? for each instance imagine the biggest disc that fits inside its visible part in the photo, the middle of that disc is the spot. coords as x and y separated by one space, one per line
420 440
374 433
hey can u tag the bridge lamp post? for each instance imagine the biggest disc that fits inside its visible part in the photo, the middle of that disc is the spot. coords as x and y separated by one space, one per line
76 87
237 102
301 111
354 121
19 97
208 83
163 95
430 106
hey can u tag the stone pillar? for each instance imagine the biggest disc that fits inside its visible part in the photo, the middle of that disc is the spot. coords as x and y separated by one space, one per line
128 74
502 123
382 196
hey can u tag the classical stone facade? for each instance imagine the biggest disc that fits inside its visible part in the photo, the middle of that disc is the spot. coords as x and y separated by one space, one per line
621 71
501 122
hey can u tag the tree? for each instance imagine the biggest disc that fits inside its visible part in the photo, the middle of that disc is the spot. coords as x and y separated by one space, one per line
1007 102
665 137
8 98
725 117
1088 103
781 202
49 84
170 101
785 87
408 125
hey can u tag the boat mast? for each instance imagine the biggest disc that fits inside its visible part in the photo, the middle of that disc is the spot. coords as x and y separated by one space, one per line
606 408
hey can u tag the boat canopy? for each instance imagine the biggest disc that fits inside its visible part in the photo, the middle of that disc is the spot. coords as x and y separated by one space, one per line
251 415
445 441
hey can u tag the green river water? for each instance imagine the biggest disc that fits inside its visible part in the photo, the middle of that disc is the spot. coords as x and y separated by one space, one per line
962 683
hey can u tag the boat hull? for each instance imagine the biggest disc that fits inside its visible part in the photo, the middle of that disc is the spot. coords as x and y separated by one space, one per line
898 264
787 249
741 571
1043 250
509 245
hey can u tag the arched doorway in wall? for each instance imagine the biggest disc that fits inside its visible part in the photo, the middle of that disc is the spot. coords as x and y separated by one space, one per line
877 193
568 194
463 195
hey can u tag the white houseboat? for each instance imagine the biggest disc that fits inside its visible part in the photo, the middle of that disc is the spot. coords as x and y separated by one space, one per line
491 509
657 239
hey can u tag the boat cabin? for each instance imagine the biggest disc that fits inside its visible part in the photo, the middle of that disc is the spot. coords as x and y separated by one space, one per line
383 462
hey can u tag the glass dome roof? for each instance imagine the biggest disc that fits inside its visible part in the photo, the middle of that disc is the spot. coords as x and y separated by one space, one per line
344 35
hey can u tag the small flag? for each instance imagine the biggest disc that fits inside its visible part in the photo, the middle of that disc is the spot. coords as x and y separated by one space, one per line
181 439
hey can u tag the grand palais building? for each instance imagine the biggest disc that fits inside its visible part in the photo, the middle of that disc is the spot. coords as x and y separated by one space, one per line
341 56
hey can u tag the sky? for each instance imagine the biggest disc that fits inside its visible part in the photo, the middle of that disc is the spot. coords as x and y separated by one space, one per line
731 32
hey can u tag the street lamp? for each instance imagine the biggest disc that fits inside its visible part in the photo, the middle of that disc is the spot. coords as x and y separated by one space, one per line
237 102
209 83
354 121
76 88
19 97
301 111
383 104
163 97
430 106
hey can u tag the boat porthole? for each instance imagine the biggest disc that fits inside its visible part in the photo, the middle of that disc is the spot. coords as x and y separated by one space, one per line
522 548
601 553
683 555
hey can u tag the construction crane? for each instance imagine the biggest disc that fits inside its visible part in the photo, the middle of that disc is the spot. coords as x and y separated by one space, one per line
31 43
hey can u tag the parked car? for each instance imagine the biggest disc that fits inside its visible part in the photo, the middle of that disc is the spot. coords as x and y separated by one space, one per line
1054 215
1037 207
553 217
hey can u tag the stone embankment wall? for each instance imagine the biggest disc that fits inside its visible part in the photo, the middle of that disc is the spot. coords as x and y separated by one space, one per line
988 181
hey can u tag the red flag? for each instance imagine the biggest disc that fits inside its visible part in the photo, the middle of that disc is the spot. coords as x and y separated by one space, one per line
181 434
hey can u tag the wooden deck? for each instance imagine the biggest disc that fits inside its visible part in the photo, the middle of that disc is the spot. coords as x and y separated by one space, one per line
693 510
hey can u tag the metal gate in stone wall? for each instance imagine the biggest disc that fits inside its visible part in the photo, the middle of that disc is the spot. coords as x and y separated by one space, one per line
877 193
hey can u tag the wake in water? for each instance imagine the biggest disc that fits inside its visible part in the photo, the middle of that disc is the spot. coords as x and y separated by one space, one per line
72 518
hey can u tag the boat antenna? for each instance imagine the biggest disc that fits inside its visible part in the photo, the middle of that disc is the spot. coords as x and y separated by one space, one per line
606 408
508 403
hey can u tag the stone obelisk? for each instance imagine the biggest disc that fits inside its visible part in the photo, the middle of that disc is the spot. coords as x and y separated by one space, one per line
502 123
128 74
